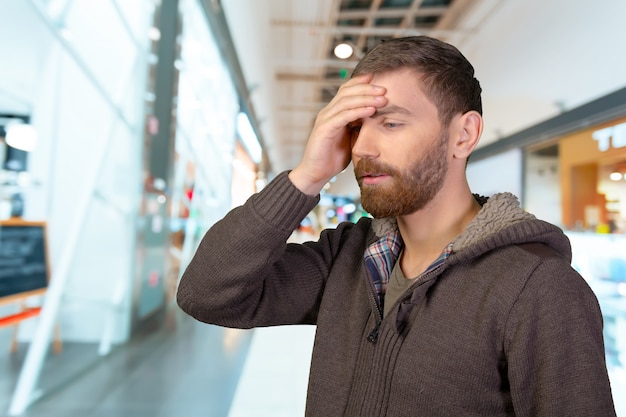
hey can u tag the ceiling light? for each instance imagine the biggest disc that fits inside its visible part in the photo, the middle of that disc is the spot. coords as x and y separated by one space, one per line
343 51
21 136
615 176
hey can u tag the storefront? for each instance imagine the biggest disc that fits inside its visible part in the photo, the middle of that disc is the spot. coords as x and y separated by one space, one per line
593 181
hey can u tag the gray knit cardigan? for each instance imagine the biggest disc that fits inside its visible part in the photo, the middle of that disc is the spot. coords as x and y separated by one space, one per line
505 327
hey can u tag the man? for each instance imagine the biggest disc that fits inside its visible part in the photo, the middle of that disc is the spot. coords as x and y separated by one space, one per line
446 303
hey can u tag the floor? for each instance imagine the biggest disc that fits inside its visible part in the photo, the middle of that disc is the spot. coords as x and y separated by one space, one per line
191 369
274 379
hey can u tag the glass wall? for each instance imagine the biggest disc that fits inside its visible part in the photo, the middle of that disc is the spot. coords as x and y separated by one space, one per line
85 76
207 109
77 74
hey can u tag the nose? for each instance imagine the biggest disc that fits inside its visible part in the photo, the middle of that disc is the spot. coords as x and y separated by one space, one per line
364 145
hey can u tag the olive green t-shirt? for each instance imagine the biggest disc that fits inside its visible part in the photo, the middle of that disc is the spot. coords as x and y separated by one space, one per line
397 285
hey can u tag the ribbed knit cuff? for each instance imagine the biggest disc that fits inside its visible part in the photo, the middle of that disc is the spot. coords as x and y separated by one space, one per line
282 204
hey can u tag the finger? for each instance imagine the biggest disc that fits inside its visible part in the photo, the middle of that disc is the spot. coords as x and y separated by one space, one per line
337 123
353 103
360 79
360 88
347 116
358 95
360 100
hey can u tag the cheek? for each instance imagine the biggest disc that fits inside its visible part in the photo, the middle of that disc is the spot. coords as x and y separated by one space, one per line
404 156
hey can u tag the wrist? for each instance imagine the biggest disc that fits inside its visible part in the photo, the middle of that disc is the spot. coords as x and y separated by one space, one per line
305 184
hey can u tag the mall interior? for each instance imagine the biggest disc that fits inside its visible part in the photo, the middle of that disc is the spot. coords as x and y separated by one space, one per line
127 130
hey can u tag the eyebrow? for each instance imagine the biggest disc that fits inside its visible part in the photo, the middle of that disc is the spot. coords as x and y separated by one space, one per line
393 108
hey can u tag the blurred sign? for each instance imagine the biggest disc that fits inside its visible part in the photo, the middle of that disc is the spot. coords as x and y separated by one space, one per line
23 258
613 135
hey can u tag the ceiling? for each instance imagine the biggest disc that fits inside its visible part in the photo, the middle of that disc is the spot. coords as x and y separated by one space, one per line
534 58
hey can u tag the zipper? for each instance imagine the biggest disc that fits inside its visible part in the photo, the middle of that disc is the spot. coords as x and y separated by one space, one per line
373 336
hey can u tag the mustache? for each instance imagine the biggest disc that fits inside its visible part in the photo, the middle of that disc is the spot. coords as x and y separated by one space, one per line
368 167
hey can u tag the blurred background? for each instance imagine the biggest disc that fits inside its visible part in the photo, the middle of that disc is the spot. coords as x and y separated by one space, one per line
127 128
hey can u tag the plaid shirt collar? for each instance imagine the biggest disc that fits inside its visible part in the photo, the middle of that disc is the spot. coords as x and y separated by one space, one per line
381 256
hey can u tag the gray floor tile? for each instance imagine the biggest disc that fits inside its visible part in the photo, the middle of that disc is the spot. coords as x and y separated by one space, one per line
189 370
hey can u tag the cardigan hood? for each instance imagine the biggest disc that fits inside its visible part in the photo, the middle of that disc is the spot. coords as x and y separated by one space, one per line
500 221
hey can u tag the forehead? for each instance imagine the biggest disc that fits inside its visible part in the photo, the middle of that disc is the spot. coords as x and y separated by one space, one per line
405 89
404 74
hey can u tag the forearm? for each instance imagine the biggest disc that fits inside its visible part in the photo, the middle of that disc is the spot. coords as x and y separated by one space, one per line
238 261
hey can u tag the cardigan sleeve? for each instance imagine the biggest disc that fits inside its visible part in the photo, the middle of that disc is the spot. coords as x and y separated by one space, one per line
244 274
554 346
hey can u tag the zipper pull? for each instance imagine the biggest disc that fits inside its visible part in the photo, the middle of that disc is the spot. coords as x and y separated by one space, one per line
373 336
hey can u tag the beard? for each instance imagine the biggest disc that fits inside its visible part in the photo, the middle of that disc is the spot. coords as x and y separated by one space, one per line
411 189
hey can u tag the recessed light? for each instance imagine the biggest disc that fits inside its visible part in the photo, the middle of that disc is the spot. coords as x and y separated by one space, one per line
343 51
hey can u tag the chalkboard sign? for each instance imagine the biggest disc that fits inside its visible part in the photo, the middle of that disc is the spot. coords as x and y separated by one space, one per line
23 257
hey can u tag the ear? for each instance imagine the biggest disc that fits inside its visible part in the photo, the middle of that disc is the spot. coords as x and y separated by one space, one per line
469 127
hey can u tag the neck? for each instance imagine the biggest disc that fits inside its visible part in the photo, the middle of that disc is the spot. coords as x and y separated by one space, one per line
428 231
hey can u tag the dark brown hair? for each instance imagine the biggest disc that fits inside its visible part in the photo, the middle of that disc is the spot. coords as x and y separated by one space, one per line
447 76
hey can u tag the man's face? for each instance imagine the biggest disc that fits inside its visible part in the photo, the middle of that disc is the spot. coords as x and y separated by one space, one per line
400 153
409 189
